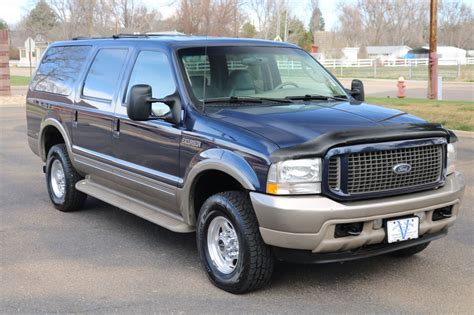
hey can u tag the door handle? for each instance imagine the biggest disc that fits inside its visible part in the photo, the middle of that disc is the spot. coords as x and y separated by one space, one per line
74 122
116 131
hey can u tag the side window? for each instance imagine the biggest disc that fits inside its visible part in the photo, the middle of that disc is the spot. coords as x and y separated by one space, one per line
153 68
59 69
103 77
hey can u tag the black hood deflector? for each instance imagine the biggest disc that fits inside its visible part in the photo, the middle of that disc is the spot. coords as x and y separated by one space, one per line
320 145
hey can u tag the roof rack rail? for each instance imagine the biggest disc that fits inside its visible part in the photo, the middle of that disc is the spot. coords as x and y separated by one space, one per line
85 38
124 35
138 35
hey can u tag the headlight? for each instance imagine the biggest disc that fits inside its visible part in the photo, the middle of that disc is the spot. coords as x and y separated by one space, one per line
295 177
450 163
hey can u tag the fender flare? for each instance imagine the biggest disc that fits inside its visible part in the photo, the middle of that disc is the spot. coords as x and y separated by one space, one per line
64 133
222 160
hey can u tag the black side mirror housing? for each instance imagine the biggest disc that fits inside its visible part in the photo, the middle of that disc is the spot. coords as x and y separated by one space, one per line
357 90
139 105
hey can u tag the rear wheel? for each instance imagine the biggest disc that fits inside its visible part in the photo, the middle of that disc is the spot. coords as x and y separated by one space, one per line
410 251
61 179
230 246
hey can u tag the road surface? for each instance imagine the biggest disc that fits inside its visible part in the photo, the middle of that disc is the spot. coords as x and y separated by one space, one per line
459 91
104 260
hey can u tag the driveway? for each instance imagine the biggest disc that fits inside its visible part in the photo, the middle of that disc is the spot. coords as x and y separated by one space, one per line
459 91
104 260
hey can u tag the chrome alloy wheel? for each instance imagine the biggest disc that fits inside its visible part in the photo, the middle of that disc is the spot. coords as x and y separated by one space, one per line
58 179
223 245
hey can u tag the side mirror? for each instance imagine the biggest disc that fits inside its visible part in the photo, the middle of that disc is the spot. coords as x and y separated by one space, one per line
140 105
357 90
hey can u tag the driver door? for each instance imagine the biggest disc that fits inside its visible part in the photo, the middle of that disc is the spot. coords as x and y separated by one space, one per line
148 151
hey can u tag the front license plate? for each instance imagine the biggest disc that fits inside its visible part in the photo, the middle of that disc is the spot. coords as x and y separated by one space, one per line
402 229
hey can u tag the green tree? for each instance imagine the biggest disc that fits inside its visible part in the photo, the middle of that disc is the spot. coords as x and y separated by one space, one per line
317 22
41 18
3 25
297 33
322 24
248 30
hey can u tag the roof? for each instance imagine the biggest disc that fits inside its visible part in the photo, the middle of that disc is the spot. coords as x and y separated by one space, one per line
445 48
379 50
178 40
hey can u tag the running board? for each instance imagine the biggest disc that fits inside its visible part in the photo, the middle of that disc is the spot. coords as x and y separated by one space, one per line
136 207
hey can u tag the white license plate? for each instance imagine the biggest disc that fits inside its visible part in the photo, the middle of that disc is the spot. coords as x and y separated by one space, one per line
402 229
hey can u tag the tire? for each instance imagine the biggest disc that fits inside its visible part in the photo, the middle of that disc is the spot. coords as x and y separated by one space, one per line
410 251
62 190
253 263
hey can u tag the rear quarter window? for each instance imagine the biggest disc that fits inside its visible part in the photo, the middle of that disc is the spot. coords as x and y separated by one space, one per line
60 68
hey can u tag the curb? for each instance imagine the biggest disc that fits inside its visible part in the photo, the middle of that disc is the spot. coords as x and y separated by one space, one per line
464 134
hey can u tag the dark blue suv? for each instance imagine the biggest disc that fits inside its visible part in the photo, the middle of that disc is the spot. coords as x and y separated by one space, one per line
250 143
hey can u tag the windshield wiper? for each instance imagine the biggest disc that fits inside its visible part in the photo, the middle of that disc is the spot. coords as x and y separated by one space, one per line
246 99
309 97
232 99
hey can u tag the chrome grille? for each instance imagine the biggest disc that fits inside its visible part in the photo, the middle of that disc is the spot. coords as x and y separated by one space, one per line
373 171
334 174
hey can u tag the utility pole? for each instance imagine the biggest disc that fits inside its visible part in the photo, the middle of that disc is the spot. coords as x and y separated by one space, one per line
433 61
278 24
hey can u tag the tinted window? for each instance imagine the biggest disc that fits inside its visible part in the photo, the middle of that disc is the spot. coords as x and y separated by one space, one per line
60 68
103 77
153 68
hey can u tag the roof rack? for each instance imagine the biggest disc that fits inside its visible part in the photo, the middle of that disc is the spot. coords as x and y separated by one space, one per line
124 35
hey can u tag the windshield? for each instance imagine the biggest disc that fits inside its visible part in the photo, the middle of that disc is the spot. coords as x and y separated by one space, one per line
255 72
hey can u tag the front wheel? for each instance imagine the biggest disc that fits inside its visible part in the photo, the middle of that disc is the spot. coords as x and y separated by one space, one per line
230 246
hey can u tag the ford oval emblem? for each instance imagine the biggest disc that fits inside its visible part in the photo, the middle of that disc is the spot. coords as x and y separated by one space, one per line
402 168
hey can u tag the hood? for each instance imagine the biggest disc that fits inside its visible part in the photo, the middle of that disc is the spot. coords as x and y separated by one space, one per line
291 124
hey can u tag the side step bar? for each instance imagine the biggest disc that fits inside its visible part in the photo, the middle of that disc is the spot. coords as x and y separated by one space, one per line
143 210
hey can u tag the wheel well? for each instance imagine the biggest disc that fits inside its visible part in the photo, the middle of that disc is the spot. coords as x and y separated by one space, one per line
51 136
211 183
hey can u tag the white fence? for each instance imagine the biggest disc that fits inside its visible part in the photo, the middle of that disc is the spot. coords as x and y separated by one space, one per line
369 63
450 69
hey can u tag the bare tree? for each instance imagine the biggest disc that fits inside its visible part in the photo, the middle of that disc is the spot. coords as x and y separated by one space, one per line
384 22
264 10
351 26
456 22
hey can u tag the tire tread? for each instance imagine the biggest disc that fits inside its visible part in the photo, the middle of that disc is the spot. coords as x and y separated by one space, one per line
74 199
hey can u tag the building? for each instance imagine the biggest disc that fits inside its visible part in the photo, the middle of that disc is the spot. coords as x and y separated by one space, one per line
4 69
376 52
387 52
350 53
34 49
447 55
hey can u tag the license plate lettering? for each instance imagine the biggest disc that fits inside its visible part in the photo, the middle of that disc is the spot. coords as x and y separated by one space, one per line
402 229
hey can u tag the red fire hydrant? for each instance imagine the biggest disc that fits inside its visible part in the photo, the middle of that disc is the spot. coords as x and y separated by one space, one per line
401 87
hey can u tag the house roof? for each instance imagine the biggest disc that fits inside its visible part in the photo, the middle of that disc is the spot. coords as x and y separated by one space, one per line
380 50
445 48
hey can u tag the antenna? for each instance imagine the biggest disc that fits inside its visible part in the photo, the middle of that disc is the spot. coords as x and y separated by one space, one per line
204 82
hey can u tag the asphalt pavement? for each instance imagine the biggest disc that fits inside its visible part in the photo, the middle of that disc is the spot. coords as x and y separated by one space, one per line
452 90
104 260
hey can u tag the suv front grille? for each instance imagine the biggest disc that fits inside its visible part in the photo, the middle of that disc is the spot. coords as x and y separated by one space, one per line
368 172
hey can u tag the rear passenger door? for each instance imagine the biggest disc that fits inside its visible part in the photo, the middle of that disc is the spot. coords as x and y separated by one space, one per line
93 118
149 150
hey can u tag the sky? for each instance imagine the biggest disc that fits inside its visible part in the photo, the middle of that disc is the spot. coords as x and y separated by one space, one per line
12 10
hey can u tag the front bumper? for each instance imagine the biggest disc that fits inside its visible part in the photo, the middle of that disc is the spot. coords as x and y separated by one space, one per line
308 222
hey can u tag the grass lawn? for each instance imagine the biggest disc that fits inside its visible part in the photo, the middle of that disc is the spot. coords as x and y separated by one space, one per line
457 115
16 80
